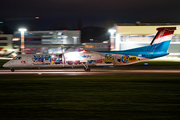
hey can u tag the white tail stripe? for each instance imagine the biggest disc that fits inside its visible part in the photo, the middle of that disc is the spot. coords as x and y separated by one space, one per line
162 39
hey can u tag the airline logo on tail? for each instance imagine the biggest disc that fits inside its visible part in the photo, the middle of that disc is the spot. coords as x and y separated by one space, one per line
164 34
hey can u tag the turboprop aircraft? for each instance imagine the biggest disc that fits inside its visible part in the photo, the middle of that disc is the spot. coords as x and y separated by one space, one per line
157 48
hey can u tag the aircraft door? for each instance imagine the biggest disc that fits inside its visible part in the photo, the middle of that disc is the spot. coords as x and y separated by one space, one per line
62 58
28 61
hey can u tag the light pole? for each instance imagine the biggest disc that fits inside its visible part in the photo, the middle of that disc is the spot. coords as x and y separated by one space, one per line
22 30
112 41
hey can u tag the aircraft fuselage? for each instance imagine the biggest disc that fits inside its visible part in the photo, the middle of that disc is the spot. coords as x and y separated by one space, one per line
72 59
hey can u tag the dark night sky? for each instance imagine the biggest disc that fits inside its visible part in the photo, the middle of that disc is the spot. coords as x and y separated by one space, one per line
91 12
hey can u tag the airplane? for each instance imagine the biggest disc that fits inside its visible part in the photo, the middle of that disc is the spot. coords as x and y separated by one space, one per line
157 48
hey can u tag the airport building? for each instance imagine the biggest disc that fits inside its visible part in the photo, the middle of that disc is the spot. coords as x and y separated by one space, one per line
97 46
49 37
5 44
47 41
128 36
122 37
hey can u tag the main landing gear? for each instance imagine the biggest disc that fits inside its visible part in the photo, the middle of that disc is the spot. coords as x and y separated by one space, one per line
86 68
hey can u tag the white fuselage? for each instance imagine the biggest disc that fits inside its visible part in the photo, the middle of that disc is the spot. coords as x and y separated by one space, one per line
72 59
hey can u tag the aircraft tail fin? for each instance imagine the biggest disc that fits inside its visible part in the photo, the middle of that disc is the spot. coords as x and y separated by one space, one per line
161 41
163 34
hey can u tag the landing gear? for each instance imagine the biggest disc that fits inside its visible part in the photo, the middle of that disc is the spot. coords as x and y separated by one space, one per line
86 68
12 69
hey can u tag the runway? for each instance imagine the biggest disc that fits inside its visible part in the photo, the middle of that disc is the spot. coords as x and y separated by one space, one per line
80 71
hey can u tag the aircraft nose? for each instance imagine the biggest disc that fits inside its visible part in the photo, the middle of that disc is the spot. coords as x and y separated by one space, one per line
5 65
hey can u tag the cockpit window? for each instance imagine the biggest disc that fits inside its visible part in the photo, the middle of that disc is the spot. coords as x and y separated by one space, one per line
17 58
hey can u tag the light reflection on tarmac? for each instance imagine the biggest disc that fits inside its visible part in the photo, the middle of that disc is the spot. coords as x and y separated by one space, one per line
78 71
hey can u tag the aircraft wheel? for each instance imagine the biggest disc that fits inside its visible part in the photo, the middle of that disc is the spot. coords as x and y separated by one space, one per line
87 69
12 69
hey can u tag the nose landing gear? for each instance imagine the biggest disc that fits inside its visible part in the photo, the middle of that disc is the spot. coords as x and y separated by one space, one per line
12 69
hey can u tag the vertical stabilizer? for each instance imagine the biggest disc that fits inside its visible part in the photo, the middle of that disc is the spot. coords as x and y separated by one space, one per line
162 40
160 43
164 34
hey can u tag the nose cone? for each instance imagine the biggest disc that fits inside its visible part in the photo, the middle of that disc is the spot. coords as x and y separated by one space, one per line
5 65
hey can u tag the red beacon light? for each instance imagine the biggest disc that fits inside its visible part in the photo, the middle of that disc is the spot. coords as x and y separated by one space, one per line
85 50
37 17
